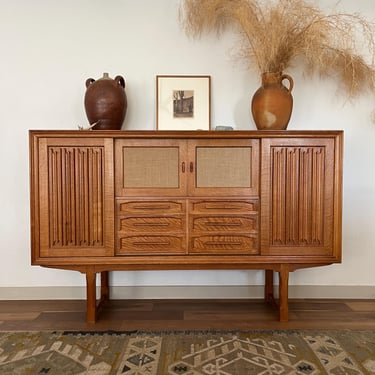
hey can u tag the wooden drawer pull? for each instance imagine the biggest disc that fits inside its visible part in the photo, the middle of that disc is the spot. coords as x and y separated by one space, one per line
151 225
223 223
218 243
161 243
164 207
209 207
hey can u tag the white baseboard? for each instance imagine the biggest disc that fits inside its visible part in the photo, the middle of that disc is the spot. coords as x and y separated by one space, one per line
189 292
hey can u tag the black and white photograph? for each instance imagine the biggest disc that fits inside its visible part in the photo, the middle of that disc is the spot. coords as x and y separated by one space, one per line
183 102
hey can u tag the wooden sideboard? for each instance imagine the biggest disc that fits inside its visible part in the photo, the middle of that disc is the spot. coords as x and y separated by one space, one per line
159 200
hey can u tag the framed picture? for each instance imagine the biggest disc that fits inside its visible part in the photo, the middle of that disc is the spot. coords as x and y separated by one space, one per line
183 102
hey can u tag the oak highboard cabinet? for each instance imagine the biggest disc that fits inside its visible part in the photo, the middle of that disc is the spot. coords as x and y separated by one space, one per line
103 201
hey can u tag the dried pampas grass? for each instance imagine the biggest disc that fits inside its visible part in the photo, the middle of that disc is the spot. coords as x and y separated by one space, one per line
274 34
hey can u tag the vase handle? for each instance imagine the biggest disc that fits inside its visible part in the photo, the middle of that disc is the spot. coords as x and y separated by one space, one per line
89 81
120 80
289 78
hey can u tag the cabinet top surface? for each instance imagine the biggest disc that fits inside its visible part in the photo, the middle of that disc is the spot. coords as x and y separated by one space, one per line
186 134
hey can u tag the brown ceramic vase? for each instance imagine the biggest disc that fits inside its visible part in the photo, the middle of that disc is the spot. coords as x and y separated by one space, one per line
272 103
106 102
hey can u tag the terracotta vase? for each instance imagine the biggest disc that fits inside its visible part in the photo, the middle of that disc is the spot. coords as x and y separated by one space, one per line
106 102
272 103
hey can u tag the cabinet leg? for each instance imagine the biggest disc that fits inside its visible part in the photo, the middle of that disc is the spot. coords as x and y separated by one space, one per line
104 286
90 297
283 293
268 287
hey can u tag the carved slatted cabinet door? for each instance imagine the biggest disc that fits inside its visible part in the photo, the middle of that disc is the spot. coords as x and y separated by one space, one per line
75 197
300 198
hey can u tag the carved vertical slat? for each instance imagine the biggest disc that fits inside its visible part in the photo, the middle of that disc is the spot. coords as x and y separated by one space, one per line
317 223
52 201
85 188
305 189
291 196
97 183
71 218
278 194
79 206
54 195
96 193
65 195
62 189
91 213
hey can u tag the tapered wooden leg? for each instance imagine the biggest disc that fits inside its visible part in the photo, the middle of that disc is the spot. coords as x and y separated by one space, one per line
104 286
90 297
283 293
268 287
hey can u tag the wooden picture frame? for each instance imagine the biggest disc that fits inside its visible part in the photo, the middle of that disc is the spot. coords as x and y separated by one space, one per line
183 102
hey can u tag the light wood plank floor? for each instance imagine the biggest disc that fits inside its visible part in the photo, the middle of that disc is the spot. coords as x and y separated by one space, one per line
226 314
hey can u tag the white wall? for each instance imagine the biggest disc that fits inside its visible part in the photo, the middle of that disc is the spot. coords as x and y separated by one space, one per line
48 49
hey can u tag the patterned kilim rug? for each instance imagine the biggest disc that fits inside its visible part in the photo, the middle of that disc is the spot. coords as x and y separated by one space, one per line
188 353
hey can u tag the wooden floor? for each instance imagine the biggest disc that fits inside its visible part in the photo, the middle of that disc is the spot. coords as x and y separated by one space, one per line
186 315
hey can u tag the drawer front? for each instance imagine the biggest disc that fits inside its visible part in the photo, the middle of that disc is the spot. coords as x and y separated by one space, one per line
225 244
225 224
148 244
150 227
151 224
224 207
145 207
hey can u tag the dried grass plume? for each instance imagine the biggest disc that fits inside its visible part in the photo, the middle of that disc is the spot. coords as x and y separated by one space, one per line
275 34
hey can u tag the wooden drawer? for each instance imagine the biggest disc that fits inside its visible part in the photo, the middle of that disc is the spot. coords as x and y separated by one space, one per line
225 244
225 224
150 244
148 207
224 206
154 224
